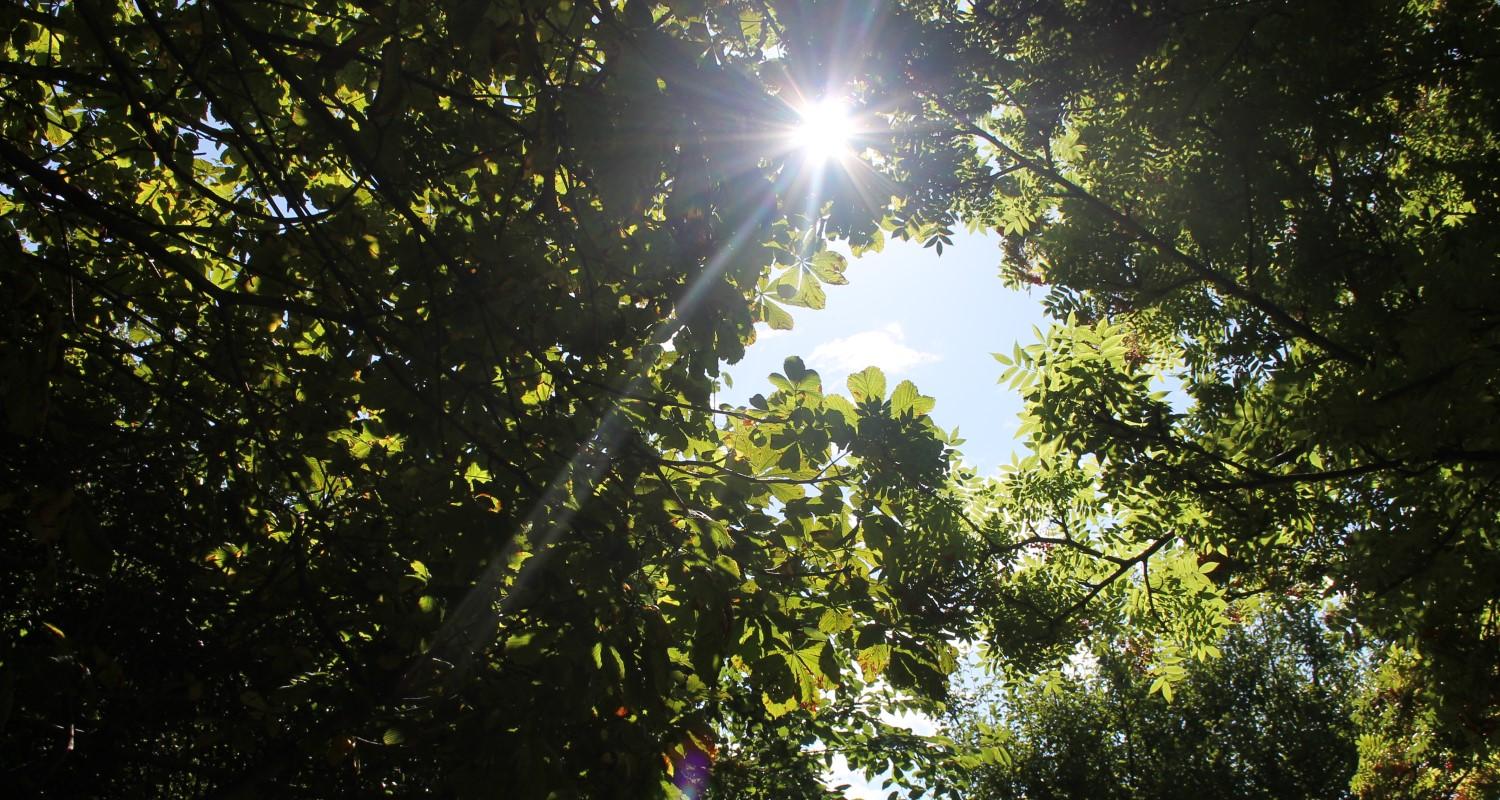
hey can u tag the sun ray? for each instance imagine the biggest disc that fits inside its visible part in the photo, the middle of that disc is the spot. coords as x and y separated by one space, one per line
458 640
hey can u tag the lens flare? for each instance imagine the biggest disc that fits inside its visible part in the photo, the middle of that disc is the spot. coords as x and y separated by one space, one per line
690 772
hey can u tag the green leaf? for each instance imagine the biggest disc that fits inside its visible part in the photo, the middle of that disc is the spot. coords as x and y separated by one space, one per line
802 378
773 315
905 399
868 384
829 267
800 289
873 661
778 709
805 664
835 621
840 404
727 564
476 474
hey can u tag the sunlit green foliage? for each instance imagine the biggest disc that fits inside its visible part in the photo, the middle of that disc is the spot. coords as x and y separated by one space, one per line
359 413
1269 236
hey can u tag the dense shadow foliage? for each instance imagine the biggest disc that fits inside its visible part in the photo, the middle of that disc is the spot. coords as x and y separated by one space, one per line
358 414
1268 719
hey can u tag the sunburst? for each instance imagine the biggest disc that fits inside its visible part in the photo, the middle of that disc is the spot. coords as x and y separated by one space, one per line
825 131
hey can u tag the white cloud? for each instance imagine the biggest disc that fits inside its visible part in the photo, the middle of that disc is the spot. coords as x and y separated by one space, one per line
884 347
764 332
920 724
860 787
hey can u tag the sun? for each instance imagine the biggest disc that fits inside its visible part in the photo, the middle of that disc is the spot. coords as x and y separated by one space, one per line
824 131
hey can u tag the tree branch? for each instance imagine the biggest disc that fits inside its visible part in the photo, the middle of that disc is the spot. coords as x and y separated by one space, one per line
1143 234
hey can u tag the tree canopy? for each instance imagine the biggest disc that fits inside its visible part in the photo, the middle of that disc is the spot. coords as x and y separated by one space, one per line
360 420
359 416
1267 232
1269 718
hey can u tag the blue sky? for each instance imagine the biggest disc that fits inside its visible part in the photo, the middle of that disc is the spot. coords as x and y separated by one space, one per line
932 319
